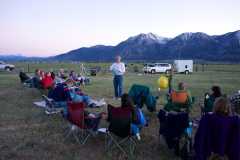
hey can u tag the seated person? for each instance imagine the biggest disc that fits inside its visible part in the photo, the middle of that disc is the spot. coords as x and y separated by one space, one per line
36 80
53 75
61 74
83 80
59 93
24 78
47 81
180 100
73 76
210 99
78 96
218 133
235 102
137 117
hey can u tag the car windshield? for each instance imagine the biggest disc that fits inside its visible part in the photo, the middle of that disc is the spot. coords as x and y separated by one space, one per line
164 65
149 65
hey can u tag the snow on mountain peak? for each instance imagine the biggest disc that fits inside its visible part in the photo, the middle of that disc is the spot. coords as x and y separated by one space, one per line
149 38
188 35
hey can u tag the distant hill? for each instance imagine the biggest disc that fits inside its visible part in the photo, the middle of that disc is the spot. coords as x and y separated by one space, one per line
149 46
13 58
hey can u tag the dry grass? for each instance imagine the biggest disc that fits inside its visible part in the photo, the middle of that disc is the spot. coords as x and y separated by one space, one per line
27 133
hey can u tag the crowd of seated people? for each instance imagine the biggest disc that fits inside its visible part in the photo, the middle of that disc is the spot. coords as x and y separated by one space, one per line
40 79
45 80
218 132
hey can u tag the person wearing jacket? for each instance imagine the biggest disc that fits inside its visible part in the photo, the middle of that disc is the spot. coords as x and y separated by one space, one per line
47 81
210 99
218 133
118 70
179 100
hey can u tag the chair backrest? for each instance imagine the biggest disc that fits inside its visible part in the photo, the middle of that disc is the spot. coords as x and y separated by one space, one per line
76 113
217 134
23 77
179 97
120 121
173 124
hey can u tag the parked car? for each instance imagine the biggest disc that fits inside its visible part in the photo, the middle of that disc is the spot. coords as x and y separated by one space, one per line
157 68
183 66
5 66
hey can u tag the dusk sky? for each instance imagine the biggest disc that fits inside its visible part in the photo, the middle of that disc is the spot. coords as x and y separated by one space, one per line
50 27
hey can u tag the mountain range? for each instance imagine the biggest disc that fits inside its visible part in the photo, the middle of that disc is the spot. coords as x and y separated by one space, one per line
150 47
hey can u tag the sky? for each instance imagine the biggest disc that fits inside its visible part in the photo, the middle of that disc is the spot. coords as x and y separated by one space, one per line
51 27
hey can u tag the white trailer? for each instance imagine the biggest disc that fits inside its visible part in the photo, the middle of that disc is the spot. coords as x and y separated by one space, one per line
183 66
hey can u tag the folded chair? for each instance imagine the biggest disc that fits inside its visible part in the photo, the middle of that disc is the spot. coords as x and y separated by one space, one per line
78 127
118 134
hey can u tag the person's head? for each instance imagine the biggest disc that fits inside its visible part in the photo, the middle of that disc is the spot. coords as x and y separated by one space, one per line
42 73
61 71
38 72
48 74
126 101
182 86
118 59
216 91
222 106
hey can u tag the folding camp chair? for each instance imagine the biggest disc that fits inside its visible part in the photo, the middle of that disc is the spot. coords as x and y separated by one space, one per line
218 135
78 128
118 134
51 106
176 128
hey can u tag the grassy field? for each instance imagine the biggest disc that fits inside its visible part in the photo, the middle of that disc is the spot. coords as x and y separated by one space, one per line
26 132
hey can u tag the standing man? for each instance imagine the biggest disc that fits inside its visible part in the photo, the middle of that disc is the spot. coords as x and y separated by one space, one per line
118 70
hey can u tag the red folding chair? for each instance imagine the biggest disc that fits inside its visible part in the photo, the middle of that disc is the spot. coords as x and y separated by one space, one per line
78 128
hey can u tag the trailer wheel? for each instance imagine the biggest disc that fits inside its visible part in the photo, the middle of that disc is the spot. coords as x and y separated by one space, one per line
186 72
